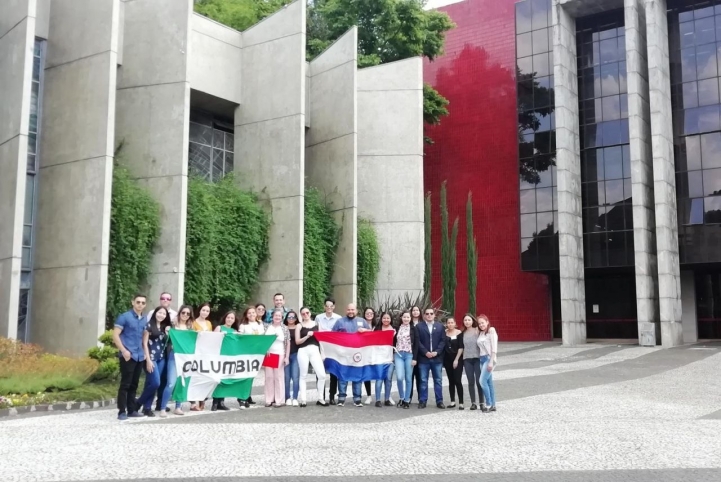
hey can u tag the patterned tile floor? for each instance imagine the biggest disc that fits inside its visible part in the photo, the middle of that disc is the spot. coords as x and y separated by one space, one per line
597 413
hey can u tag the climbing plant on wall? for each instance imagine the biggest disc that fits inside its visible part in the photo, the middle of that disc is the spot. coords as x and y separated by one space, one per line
134 229
369 261
226 243
322 236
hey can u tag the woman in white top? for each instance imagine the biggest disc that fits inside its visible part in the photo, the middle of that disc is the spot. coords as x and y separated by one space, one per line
248 324
488 345
309 354
386 324
275 377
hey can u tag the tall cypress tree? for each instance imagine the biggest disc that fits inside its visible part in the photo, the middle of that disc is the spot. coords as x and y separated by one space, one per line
448 256
472 255
427 250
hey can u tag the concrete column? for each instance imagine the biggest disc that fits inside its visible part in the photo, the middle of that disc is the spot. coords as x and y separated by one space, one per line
17 34
639 119
688 301
270 142
390 170
331 162
664 176
153 112
568 169
75 176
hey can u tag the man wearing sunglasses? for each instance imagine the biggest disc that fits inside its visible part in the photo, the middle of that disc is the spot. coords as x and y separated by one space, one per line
431 343
128 338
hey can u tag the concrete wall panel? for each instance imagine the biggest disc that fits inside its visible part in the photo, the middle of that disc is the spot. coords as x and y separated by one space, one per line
153 112
215 67
390 170
17 31
42 21
75 176
270 141
331 157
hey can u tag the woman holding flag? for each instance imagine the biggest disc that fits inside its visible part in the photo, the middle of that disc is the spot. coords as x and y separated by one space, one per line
227 324
309 354
385 325
280 350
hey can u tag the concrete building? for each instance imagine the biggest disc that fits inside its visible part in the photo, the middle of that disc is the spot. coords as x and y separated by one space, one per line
593 126
185 95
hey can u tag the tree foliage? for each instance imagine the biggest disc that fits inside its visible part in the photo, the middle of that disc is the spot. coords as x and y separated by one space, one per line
322 236
472 256
448 256
134 230
239 14
369 261
226 244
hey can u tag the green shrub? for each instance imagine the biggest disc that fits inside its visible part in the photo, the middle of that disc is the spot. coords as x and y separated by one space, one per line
369 261
134 229
108 369
226 243
107 355
239 14
322 236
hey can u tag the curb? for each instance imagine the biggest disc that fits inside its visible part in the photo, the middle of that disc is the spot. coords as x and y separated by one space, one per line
56 407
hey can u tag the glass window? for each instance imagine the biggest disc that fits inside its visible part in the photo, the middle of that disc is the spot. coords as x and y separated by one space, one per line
711 150
712 210
613 161
544 199
523 17
540 41
711 182
528 225
528 201
707 92
524 46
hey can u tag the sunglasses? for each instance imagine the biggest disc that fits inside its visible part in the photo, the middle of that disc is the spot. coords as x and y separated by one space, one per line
166 298
140 302
186 313
429 314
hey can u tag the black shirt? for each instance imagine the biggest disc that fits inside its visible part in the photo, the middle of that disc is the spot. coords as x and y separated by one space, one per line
453 345
293 346
310 341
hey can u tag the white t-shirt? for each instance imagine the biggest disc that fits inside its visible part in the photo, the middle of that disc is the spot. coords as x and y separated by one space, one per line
252 328
282 334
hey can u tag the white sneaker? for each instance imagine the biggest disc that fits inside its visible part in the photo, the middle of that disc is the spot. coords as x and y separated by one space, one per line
369 400
295 403
162 414
390 399
288 402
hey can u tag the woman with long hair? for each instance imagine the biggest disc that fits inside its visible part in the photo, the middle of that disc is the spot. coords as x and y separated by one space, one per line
227 323
202 323
416 317
453 362
249 323
292 371
385 324
182 322
405 346
471 358
275 377
309 354
369 314
488 345
155 339
261 313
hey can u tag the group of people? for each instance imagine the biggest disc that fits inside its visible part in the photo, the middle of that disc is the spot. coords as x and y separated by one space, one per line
422 347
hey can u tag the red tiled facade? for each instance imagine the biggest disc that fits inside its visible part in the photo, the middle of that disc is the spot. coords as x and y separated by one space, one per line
475 149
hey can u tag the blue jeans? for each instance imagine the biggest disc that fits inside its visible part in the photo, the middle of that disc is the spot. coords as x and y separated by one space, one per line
387 383
343 389
152 382
292 371
437 369
404 374
487 382
171 375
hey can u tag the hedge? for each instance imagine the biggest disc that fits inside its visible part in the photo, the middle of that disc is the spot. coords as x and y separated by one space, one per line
369 261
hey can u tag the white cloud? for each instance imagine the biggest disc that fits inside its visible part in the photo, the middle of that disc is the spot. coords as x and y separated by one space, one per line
440 3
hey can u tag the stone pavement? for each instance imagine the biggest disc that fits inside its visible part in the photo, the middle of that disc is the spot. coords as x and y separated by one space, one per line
596 413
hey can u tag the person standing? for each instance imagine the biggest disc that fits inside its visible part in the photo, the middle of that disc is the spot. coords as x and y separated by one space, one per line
249 325
274 377
416 317
369 314
227 323
155 339
202 323
350 324
405 345
309 354
385 324
165 300
260 312
183 322
128 338
431 345
471 359
291 369
453 362
278 304
488 345
325 322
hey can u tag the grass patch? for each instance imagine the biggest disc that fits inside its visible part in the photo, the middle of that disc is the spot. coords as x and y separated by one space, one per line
88 392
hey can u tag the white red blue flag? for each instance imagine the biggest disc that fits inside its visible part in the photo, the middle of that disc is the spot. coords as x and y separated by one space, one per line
357 357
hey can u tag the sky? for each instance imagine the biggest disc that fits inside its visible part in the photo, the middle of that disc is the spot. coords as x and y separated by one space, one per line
440 3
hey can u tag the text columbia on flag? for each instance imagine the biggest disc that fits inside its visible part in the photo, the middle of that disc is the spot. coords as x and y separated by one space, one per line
357 357
217 364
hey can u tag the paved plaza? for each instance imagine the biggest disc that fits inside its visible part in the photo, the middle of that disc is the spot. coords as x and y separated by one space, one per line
598 413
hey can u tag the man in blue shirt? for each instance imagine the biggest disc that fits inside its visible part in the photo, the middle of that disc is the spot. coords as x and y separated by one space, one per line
350 324
431 344
128 338
279 304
